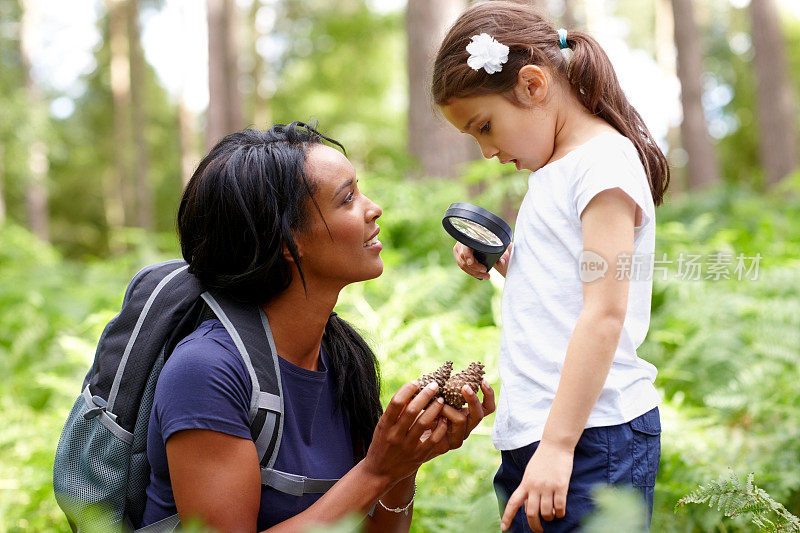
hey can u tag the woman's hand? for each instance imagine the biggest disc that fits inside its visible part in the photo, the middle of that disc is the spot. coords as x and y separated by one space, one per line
465 258
397 449
462 421
544 486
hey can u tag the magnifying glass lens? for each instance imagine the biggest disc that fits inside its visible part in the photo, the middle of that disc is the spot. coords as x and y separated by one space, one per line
475 231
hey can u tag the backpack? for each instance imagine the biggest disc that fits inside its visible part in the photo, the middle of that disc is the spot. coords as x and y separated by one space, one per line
101 469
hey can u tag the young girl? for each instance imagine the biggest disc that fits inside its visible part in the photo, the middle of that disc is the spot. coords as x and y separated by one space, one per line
577 407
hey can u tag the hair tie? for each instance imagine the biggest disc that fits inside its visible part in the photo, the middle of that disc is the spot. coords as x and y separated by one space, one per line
566 51
562 38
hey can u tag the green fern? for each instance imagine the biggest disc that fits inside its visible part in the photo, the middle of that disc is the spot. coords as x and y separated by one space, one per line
734 498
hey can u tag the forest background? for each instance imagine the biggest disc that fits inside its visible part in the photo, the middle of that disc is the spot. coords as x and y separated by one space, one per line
107 106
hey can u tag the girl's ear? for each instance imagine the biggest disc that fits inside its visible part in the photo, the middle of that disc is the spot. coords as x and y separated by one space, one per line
532 85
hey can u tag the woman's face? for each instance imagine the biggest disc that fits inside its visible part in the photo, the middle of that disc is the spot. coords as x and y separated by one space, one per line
348 249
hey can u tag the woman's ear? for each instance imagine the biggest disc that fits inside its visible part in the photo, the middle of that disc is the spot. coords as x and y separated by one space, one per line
288 255
532 85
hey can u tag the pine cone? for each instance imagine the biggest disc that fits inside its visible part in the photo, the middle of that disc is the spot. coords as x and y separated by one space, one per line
440 376
472 376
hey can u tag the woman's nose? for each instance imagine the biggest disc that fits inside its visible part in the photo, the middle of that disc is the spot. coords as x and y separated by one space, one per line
374 211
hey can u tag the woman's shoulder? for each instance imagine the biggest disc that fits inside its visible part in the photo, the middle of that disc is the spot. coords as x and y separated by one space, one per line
203 385
207 351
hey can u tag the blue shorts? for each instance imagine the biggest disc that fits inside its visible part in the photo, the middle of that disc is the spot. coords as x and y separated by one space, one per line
627 454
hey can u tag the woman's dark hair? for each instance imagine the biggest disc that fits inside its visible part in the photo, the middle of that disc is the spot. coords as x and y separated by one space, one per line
247 199
532 39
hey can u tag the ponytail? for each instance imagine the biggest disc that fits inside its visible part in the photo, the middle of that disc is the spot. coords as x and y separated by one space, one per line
357 381
532 39
591 75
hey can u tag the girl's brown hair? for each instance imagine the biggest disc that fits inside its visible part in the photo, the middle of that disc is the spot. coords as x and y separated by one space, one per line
532 39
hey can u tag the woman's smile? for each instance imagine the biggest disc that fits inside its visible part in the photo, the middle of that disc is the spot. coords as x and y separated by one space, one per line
344 226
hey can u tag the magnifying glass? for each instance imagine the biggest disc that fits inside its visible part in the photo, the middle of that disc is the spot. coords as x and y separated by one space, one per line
485 233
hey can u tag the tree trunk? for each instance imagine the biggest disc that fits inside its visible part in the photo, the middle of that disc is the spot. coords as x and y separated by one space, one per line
702 166
260 112
438 146
121 209
187 119
539 4
595 14
186 136
224 105
144 191
665 57
570 21
38 165
776 112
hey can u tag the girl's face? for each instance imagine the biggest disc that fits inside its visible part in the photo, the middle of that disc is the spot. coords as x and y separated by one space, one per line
514 134
351 251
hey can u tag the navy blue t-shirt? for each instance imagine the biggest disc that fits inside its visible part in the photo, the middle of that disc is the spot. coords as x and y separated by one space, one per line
205 385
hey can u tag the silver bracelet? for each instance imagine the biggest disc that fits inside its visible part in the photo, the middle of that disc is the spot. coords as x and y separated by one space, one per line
401 509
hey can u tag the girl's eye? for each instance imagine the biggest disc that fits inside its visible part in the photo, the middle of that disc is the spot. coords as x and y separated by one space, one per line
485 128
349 198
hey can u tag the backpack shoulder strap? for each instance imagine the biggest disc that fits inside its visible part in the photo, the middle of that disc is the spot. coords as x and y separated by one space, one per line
157 306
249 328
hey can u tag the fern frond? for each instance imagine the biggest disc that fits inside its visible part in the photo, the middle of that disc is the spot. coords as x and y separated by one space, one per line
733 497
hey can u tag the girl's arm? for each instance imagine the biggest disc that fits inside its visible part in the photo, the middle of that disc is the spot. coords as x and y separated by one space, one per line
608 223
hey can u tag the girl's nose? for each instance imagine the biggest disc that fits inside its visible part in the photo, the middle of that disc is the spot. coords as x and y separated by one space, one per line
488 150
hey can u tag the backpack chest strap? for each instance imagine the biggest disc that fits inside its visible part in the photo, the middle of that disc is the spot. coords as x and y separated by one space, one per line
294 484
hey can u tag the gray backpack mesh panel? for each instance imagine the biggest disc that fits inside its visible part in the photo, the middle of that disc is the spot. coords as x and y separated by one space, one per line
91 470
140 466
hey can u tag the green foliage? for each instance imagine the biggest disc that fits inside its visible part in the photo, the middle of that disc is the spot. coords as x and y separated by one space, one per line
733 497
349 524
51 314
727 351
617 509
349 87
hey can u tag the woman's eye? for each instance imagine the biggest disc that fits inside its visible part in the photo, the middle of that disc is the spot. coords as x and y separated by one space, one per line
349 197
485 128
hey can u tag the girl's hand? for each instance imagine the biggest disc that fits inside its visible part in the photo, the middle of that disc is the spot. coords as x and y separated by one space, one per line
462 421
502 264
544 486
397 449
467 262
465 259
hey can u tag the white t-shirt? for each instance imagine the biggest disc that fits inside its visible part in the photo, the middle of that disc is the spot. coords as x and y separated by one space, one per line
543 298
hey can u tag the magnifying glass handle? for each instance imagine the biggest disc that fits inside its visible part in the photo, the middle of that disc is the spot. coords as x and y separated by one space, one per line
487 260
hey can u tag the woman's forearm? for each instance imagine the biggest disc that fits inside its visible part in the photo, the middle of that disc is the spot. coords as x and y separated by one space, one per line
355 493
399 496
587 363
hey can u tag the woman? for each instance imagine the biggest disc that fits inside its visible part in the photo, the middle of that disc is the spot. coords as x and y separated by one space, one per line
276 218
